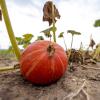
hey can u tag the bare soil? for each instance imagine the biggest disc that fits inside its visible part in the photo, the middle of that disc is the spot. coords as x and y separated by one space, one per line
14 87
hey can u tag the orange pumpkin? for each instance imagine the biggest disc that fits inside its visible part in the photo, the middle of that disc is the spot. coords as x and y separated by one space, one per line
43 62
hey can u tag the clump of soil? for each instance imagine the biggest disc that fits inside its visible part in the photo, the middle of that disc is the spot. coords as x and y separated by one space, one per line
14 87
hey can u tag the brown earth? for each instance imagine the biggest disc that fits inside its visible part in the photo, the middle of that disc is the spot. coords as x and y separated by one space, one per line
14 87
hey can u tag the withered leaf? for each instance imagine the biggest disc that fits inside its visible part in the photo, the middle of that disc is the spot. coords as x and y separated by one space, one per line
47 12
0 15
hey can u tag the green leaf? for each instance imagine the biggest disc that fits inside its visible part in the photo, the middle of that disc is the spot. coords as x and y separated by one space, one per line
61 35
53 29
27 37
97 52
73 32
47 32
25 45
19 40
39 38
97 23
25 40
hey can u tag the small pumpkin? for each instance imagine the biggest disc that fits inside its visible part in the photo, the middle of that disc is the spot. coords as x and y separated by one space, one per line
43 62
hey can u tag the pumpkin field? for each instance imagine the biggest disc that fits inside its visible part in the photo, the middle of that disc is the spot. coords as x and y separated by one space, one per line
41 68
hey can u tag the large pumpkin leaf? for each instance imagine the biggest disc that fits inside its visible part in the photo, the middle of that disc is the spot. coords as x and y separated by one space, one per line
73 32
61 35
97 23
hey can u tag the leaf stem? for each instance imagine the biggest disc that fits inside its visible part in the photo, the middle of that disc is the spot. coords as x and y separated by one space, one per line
9 28
65 43
9 68
70 48
71 42
53 16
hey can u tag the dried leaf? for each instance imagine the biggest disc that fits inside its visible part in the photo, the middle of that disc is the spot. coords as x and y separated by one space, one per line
0 15
47 12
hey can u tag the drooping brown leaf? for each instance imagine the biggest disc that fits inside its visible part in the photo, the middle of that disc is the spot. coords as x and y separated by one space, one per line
47 12
0 15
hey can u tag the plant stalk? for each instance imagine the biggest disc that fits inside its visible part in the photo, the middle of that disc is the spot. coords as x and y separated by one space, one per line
71 42
53 16
9 68
70 48
9 28
65 43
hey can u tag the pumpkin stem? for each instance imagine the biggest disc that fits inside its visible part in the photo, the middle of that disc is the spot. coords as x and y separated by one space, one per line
51 50
9 28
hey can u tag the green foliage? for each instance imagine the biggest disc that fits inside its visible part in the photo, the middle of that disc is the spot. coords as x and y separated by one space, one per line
27 37
61 35
47 32
97 53
3 52
19 40
10 49
97 23
25 40
40 38
73 32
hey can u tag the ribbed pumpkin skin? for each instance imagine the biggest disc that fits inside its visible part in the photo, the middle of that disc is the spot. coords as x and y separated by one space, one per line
38 67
